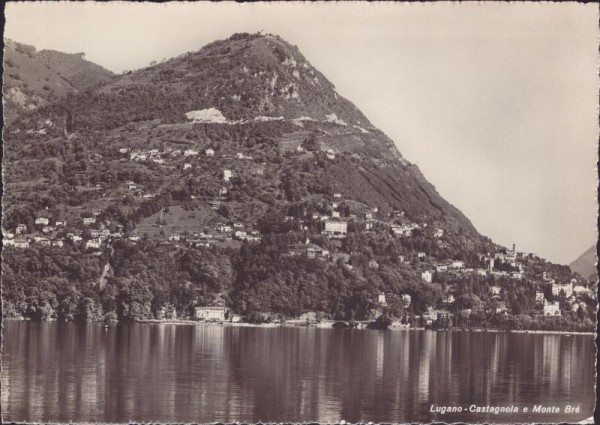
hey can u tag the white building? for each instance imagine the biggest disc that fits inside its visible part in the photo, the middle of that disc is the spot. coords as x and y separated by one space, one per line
42 221
458 264
495 290
21 228
539 297
381 299
92 244
190 152
448 299
567 288
552 309
187 166
89 220
227 175
335 214
209 152
426 276
336 227
210 313
21 243
438 233
406 298
174 237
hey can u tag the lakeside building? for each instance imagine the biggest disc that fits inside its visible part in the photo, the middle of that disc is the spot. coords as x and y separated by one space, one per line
210 313
552 309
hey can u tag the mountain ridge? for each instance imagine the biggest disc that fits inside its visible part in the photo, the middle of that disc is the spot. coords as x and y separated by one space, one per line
585 264
36 78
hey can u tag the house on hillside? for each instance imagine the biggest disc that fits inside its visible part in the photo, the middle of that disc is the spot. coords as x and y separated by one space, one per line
373 264
337 196
21 228
456 264
227 175
47 229
406 299
174 237
566 288
93 244
225 228
21 243
209 152
210 313
495 290
336 227
190 152
42 221
426 276
448 299
381 299
89 220
438 233
539 297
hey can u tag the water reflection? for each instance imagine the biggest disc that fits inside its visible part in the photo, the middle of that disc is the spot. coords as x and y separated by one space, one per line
62 372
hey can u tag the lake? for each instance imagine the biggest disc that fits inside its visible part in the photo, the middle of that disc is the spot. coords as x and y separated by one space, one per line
196 373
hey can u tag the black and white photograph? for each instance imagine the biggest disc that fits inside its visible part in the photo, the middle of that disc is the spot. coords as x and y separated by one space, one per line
299 212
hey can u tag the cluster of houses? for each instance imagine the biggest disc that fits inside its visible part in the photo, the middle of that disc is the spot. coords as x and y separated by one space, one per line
231 230
155 155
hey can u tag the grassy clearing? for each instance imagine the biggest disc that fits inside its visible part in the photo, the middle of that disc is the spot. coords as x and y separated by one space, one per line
179 220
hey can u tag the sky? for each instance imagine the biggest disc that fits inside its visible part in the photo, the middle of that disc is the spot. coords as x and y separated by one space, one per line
497 103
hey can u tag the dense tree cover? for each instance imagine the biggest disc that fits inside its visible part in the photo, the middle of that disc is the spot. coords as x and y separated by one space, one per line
262 282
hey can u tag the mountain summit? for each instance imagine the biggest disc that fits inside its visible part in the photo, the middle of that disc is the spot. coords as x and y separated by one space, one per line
245 76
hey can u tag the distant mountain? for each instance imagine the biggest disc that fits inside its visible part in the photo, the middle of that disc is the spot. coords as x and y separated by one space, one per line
33 79
585 264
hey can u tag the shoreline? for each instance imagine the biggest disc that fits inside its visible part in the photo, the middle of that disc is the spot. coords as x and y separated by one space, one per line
322 325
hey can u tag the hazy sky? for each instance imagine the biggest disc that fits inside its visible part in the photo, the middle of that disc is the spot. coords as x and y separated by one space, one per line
496 102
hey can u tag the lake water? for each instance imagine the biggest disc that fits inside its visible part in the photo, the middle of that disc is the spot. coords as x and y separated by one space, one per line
194 373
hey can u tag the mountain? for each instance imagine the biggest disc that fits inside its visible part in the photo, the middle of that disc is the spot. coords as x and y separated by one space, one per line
35 78
585 264
254 80
237 175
